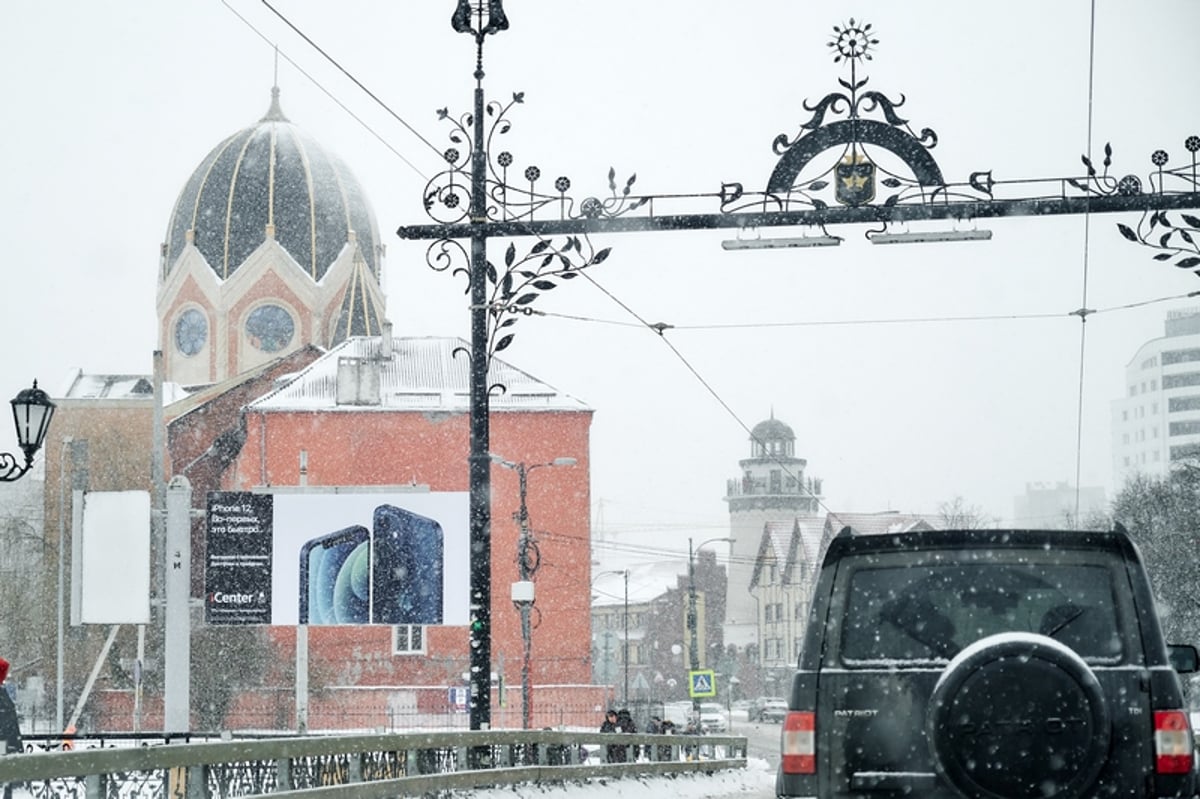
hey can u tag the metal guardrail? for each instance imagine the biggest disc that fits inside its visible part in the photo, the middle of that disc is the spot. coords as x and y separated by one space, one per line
364 766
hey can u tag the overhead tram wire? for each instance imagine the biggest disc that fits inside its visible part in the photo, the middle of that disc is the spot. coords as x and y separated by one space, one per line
334 97
661 329
352 79
307 39
662 554
397 117
1083 311
401 120
902 320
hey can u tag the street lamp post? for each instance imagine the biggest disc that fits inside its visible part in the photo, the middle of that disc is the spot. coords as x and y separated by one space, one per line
625 653
522 590
32 410
694 643
625 624
479 22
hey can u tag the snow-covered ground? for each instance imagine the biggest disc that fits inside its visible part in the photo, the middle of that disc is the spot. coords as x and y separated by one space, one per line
756 780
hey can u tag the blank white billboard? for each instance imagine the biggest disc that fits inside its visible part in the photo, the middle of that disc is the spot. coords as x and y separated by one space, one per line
114 568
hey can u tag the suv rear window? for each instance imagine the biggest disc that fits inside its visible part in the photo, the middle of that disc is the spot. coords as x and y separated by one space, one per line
930 612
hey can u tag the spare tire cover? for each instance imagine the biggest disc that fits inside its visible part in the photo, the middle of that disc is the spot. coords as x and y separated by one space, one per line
1018 716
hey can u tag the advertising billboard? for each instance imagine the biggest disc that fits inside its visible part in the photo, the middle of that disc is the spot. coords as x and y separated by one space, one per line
376 557
112 563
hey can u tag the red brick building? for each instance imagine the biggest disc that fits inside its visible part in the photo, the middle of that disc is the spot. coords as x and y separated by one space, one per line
415 431
280 372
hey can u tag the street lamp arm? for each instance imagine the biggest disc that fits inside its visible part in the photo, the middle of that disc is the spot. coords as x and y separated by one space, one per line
11 468
32 411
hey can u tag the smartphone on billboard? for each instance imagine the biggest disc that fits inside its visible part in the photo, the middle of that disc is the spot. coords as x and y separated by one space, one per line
406 568
335 577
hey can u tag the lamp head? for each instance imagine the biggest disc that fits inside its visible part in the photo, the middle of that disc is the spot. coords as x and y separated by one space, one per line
32 411
495 16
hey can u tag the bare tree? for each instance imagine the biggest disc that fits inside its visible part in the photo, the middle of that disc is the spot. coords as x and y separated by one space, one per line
1092 520
958 515
26 615
1163 517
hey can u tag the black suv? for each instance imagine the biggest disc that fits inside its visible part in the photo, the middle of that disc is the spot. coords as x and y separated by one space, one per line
986 664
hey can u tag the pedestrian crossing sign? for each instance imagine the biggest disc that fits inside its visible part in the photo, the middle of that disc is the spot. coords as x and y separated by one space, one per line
702 683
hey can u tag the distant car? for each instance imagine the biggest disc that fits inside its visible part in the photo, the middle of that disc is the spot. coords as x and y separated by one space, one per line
755 712
678 713
773 710
713 717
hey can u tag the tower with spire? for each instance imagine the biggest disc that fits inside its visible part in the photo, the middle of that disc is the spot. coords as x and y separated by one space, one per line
771 489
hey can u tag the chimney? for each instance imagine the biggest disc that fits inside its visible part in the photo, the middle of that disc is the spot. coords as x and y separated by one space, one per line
385 341
358 381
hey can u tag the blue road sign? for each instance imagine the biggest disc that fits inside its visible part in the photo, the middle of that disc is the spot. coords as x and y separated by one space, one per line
702 683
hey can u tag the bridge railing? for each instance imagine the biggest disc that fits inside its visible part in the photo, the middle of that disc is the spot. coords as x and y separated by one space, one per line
363 766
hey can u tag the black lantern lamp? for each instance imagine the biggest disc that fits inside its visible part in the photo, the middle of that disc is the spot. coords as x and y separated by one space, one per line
32 410
465 14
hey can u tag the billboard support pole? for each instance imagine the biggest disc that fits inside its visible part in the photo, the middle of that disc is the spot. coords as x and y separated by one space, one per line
302 679
177 587
91 680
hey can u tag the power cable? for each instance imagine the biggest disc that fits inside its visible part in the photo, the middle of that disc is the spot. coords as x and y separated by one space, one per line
352 79
1083 311
901 320
660 328
330 94
660 555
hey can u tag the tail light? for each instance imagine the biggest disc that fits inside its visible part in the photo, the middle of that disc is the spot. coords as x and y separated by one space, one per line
799 743
1172 742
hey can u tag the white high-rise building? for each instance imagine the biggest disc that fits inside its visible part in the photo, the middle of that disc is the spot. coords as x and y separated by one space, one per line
1157 422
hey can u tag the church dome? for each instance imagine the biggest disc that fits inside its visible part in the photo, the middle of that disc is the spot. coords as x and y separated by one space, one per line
274 176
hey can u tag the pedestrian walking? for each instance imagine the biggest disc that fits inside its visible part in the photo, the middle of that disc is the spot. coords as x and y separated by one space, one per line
667 727
692 752
615 752
625 723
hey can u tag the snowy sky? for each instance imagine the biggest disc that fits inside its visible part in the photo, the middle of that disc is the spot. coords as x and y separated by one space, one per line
110 108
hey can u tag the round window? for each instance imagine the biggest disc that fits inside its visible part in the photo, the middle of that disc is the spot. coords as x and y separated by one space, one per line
270 328
191 332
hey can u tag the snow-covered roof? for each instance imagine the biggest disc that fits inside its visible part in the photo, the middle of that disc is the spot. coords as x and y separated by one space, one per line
115 387
795 545
812 532
779 539
647 581
420 374
877 523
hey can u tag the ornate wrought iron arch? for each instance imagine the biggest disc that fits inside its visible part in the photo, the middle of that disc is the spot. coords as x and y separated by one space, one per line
479 197
853 133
